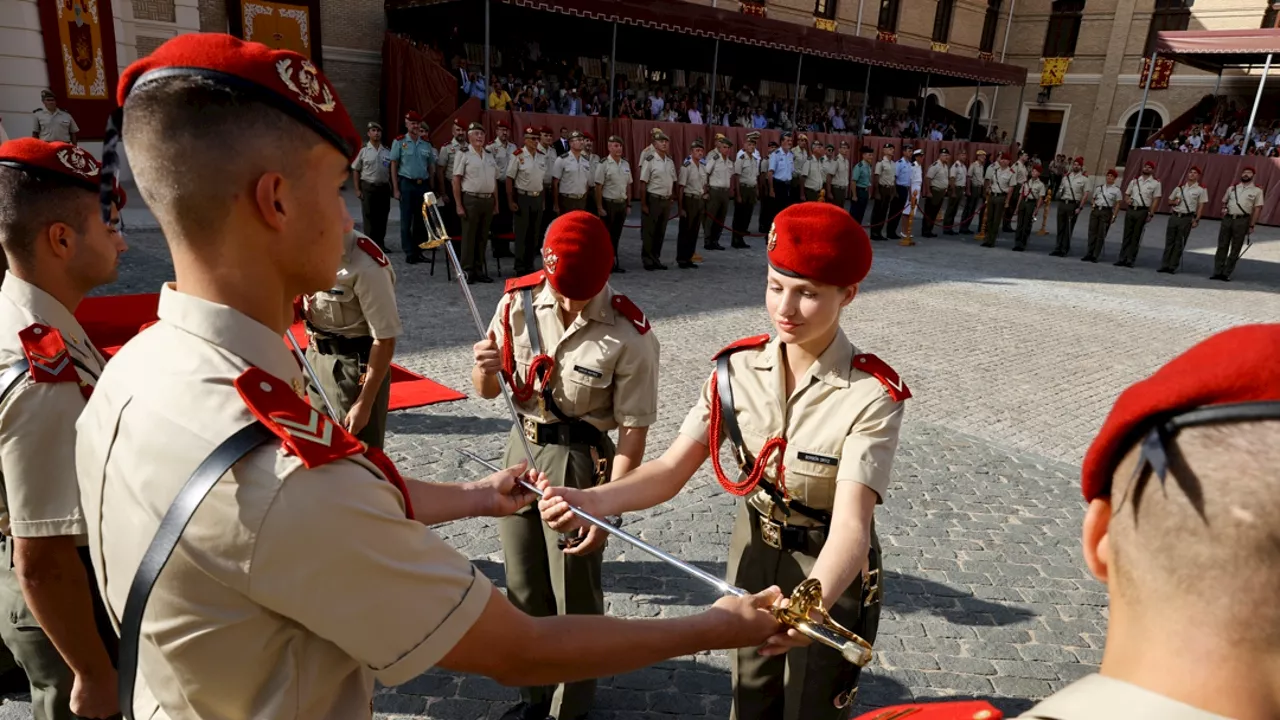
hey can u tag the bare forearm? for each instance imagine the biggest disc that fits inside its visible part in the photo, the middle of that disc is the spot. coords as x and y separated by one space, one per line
654 482
486 385
841 559
457 189
435 503
56 587
630 451
379 366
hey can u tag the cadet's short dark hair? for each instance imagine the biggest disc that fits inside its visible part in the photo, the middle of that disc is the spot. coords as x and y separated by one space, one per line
30 203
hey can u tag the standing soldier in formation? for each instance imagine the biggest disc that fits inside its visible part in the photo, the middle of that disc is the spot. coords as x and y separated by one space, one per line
1000 179
862 180
581 361
371 176
524 190
549 157
746 183
899 207
502 149
651 149
1032 198
58 250
310 570
839 175
613 183
413 165
940 185
959 175
1073 191
1241 206
783 166
719 169
448 154
571 179
588 149
801 154
691 193
1186 205
1020 174
1142 197
1057 170
351 337
810 401
1105 208
974 191
882 191
816 174
51 123
658 175
475 185
768 200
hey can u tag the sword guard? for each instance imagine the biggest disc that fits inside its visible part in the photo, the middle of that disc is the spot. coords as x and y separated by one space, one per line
805 603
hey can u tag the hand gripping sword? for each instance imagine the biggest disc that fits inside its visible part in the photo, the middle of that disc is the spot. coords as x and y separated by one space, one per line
805 612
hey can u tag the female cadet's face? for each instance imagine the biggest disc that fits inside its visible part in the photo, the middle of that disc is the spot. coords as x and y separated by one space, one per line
803 310
316 250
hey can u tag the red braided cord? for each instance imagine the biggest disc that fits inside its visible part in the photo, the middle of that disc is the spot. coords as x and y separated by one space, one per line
540 368
749 483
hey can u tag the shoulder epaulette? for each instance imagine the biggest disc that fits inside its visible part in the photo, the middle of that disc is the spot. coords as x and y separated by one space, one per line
688 161
627 309
533 279
400 138
743 344
517 152
880 370
372 250
306 433
957 710
47 355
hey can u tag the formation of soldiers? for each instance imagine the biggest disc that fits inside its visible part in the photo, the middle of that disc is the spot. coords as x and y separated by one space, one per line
168 566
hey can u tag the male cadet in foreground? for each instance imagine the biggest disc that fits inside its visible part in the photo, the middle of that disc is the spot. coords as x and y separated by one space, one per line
1182 493
58 249
306 573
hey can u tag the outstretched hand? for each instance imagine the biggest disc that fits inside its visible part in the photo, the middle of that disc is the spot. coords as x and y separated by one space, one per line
502 494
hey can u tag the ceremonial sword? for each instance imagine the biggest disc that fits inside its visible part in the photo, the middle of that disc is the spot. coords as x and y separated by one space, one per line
806 601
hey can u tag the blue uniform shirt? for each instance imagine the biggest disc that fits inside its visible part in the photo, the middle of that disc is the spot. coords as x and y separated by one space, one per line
782 165
902 172
416 157
862 174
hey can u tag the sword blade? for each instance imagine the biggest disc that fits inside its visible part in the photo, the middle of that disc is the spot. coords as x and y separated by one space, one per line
311 375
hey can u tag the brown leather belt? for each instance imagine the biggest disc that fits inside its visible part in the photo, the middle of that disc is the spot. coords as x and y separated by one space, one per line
482 196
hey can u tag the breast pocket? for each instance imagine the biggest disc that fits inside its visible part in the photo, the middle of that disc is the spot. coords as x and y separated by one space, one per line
587 386
334 308
811 475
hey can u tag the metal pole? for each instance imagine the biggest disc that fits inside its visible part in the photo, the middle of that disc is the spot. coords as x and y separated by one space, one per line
715 68
924 100
866 99
1017 122
858 32
1142 110
995 96
973 121
484 103
1253 114
613 71
1218 83
795 106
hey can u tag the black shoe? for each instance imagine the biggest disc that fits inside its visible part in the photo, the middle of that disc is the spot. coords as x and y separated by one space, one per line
742 246
527 711
1019 249
1165 270
966 231
879 238
471 280
1225 278
990 244
659 266
687 266
484 279
1087 258
619 269
929 235
415 258
1055 253
500 254
949 232
650 267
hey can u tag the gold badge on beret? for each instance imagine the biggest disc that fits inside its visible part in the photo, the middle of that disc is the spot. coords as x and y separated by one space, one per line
773 238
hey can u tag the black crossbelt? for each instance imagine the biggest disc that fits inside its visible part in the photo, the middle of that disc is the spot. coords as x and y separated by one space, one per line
535 343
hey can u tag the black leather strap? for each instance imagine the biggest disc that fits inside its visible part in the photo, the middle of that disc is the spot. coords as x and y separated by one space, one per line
175 520
12 376
531 321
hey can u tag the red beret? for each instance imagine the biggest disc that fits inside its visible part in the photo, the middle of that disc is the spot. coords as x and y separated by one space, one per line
1112 172
58 161
1235 366
503 124
577 255
413 116
546 129
1250 168
1149 164
530 131
1038 167
819 241
1196 168
1080 159
282 79
588 136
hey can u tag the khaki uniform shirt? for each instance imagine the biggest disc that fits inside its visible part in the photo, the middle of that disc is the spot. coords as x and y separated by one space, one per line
1074 187
1032 188
39 495
959 174
747 167
719 170
1107 196
478 170
693 178
1097 697
595 163
1020 172
1188 198
802 157
263 613
55 126
1001 179
840 423
816 172
1242 199
939 176
614 178
448 154
659 175
606 372
502 153
1142 193
977 173
548 156
527 170
840 171
362 301
574 174
886 173
373 164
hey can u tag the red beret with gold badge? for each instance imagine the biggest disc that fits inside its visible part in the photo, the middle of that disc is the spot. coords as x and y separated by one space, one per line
818 241
577 255
1231 377
56 161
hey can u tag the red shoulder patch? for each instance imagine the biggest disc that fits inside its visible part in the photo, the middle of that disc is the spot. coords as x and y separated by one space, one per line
526 281
743 344
517 152
146 325
623 305
47 354
306 432
958 710
371 249
887 376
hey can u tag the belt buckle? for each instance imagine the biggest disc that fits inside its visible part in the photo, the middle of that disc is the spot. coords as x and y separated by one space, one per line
770 533
530 427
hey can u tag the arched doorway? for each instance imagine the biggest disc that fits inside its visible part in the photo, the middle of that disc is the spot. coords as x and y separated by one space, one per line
1151 122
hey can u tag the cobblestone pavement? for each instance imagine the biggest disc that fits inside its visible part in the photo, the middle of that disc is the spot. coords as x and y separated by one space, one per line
1013 360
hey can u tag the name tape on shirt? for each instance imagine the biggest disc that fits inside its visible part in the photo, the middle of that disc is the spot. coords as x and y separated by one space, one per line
820 459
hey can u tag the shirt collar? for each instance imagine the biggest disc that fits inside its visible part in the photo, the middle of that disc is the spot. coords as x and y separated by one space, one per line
596 310
230 330
44 307
831 367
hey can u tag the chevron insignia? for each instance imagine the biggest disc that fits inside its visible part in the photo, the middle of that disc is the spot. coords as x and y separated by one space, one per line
304 432
47 354
317 430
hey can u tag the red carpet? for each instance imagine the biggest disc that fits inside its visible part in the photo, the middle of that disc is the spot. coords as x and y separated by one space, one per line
112 320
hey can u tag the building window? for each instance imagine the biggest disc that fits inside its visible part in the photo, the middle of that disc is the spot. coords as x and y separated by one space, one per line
1064 28
1168 15
1270 16
888 22
1150 125
942 20
825 9
989 23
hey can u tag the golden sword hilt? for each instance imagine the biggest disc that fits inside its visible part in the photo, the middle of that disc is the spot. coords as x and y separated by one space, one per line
437 233
800 612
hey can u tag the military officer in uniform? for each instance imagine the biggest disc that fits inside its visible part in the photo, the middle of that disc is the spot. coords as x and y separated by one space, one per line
940 184
883 191
816 178
783 166
549 156
691 193
1000 179
810 401
959 175
1241 206
571 179
974 191
1073 191
58 249
475 185
800 151
768 201
651 149
351 331
524 190
413 163
371 176
502 149
861 185
1105 207
582 361
840 170
658 175
1020 174
588 149
448 154
51 123
307 573
613 183
746 184
1142 197
1031 199
1186 205
719 169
